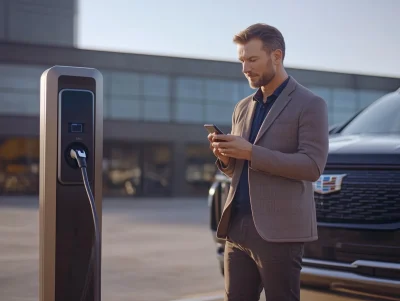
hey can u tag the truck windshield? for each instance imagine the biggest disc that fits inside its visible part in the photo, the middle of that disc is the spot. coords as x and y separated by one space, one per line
381 117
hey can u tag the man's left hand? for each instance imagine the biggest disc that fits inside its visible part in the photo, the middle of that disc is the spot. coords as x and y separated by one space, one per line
233 146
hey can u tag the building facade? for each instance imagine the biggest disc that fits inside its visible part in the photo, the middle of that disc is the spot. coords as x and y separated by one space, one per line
154 111
47 22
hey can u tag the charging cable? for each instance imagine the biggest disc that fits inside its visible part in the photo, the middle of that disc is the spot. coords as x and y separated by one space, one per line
80 156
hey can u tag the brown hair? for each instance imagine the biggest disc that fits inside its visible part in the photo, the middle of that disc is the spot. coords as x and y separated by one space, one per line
271 37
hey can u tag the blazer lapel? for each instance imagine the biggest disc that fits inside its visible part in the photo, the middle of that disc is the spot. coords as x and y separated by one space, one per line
246 129
280 103
245 133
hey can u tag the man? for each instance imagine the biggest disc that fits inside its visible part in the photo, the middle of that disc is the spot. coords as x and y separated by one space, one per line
278 146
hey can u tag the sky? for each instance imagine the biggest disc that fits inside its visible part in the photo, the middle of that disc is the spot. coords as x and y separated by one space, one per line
351 36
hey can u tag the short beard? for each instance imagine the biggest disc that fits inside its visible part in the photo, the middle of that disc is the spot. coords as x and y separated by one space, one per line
264 80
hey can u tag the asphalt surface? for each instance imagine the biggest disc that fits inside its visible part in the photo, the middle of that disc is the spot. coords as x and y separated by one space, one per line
153 249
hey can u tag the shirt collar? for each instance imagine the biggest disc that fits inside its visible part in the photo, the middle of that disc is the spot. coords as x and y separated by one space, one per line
258 96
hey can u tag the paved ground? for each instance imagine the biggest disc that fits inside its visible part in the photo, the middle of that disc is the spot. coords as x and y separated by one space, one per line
159 250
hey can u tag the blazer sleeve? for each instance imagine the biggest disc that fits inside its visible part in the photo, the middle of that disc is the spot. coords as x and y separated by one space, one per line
228 170
308 163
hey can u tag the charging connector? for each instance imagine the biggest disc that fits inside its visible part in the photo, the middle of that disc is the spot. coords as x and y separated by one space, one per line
80 156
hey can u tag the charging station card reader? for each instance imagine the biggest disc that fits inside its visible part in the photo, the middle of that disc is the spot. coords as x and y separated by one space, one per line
76 127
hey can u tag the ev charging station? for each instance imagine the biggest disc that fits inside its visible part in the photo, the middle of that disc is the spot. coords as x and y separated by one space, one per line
70 193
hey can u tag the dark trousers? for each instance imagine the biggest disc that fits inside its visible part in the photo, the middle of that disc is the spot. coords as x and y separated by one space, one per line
252 264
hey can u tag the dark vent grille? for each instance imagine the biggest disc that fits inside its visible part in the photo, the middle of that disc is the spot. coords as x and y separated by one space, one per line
366 197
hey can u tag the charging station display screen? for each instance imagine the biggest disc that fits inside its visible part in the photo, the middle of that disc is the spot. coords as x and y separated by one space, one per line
76 109
70 100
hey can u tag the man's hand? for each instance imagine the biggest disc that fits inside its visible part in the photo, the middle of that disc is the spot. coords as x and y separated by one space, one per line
217 153
233 146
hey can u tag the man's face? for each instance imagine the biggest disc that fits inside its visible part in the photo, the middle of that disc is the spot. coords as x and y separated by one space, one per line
257 63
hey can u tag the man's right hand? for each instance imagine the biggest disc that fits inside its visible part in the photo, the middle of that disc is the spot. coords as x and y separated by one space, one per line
222 158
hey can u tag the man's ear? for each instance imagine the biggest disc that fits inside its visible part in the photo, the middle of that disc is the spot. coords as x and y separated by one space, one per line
277 56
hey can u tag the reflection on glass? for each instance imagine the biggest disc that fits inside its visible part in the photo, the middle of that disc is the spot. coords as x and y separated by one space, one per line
189 89
157 109
19 166
200 164
137 169
369 96
323 92
345 99
220 114
225 91
125 84
125 108
19 89
157 170
121 169
189 113
156 85
342 115
245 90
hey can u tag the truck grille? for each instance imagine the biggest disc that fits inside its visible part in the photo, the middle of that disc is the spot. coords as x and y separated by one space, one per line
366 197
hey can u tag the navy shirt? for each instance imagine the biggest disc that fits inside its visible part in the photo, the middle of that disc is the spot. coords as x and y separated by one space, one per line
241 200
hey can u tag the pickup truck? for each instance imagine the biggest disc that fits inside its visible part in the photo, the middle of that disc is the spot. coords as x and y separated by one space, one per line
357 201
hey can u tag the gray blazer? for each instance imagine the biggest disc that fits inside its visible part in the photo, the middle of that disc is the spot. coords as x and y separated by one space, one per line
288 155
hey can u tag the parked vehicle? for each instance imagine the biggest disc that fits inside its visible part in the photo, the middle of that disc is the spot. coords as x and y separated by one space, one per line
357 202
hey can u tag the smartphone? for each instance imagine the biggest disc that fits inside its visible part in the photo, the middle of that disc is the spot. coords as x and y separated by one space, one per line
212 128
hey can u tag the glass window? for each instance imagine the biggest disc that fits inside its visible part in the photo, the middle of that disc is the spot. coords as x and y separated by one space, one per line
20 89
200 164
107 78
157 109
221 90
125 108
106 106
219 114
189 113
20 77
17 103
157 169
367 97
245 90
125 84
106 93
342 115
122 173
137 169
331 119
324 93
190 89
19 166
345 99
156 85
382 116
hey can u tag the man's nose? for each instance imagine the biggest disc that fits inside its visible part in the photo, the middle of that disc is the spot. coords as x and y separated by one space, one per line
246 68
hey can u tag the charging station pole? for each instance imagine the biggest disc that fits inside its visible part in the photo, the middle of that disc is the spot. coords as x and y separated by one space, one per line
70 195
